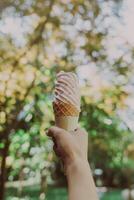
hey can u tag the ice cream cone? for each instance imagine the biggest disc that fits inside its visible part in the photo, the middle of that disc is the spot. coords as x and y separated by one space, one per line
66 116
66 104
69 123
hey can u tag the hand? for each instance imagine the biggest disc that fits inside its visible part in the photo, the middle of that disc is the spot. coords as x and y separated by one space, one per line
69 146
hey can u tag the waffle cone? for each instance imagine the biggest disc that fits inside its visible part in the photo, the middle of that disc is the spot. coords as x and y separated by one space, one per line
65 109
66 115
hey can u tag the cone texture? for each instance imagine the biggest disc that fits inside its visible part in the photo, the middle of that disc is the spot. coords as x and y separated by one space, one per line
65 109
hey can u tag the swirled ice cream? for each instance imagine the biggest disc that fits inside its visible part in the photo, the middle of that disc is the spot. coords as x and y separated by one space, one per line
67 89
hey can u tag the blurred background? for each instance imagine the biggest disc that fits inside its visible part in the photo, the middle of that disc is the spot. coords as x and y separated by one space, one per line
95 39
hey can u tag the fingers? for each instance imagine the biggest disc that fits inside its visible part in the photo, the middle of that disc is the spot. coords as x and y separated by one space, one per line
56 132
56 150
80 131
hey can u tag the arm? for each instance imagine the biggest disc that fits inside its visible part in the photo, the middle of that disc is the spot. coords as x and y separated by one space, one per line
71 147
80 182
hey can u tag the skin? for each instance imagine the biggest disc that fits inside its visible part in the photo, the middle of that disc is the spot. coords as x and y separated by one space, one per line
72 147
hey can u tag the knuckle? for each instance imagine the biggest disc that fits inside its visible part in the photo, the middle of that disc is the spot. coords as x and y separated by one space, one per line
83 131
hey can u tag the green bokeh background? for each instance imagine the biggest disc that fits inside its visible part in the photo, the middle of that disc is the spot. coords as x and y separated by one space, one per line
37 40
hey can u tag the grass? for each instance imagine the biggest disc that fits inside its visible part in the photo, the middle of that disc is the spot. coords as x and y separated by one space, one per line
32 193
112 195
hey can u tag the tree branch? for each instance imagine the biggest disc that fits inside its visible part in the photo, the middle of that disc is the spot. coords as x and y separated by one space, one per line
19 107
40 28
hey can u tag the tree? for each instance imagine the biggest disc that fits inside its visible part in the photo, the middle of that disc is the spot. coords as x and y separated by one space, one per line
61 36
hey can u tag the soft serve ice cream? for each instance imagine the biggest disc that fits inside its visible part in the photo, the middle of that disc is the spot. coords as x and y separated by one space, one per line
67 100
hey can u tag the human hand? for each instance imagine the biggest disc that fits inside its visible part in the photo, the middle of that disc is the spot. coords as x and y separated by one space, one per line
69 146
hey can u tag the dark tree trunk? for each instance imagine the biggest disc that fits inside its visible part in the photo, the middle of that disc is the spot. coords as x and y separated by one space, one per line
21 178
43 184
3 169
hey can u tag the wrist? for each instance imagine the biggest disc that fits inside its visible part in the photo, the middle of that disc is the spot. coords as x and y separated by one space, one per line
77 165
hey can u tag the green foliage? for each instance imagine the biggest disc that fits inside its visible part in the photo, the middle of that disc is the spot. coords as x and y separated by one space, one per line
59 36
56 193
